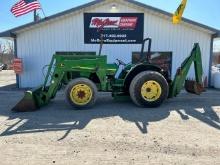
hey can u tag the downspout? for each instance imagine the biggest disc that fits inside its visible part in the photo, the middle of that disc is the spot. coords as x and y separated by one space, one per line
211 59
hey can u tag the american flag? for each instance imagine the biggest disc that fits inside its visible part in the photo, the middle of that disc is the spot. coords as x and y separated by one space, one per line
25 6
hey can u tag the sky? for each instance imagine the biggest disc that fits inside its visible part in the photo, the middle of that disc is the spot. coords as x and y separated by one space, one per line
205 12
197 10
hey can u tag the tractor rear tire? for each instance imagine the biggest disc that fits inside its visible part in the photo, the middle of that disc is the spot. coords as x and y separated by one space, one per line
81 93
149 89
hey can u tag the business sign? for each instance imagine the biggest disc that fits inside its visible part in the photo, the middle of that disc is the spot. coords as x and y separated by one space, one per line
113 28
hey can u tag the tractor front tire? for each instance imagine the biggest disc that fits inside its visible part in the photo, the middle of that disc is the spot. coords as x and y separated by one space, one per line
148 89
81 93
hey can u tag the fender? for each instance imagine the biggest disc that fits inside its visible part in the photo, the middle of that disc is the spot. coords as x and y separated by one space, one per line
136 70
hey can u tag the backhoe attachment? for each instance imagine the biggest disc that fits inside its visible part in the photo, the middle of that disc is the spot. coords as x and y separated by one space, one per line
191 86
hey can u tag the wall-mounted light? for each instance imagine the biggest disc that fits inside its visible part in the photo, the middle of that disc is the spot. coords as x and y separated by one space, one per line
114 8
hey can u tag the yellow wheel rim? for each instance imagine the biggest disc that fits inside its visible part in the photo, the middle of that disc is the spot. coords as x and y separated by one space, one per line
81 94
151 91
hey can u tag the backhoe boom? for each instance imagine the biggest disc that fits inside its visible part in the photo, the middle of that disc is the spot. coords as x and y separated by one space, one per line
180 78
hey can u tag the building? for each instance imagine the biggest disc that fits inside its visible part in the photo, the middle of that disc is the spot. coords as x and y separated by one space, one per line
36 42
216 58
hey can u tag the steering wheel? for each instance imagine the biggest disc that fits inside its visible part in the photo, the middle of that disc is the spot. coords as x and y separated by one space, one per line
120 62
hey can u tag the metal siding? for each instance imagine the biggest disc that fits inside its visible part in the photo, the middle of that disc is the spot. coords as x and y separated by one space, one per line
36 46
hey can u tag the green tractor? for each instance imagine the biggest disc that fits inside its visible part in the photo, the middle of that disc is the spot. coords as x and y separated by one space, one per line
147 85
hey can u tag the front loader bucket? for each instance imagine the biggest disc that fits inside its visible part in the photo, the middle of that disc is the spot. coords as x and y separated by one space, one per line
27 104
194 87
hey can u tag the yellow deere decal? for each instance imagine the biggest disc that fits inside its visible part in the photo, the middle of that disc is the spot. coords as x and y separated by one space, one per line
179 12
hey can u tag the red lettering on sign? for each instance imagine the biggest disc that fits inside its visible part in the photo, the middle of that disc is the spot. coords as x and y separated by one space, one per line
128 22
100 23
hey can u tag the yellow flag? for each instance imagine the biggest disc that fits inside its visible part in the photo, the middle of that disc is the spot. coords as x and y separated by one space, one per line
179 12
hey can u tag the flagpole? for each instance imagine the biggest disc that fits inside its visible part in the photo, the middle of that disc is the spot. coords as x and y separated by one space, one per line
35 15
43 12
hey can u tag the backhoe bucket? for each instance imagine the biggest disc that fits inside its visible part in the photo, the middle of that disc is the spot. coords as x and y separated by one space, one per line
194 87
27 104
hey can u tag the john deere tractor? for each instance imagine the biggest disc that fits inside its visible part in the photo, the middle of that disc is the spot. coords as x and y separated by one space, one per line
147 85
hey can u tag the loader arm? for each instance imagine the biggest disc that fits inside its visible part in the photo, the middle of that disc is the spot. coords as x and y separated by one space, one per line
180 78
59 66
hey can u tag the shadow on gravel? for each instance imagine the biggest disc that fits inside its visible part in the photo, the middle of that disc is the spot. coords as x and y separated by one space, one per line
9 87
58 116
